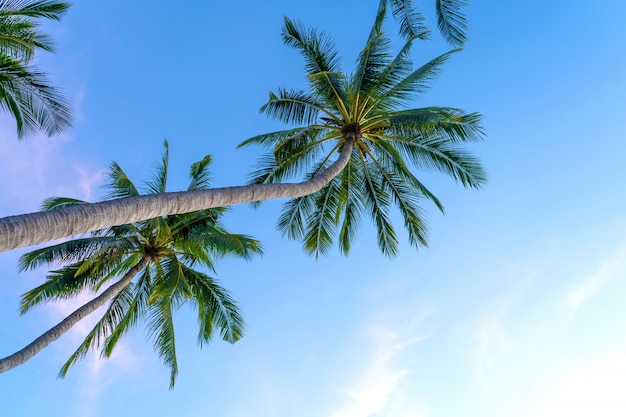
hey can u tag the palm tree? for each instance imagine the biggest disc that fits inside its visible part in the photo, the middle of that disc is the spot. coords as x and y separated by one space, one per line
25 92
154 263
361 110
367 109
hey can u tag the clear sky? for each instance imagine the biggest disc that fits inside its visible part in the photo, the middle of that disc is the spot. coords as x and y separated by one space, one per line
516 308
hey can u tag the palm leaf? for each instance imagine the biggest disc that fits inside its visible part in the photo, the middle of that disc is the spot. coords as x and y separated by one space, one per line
118 182
215 307
158 182
200 174
451 21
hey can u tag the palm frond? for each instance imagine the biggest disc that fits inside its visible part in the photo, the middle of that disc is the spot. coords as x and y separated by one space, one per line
377 200
158 183
111 318
54 203
135 304
66 252
321 224
294 107
161 329
48 9
200 174
436 153
371 64
451 21
403 191
455 124
33 102
352 206
118 182
216 308
318 50
411 21
411 86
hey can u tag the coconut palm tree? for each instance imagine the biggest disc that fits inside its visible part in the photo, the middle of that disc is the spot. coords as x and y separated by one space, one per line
154 264
367 109
363 110
25 92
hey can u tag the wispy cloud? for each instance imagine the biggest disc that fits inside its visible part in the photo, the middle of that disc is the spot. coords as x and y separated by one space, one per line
614 266
372 388
36 168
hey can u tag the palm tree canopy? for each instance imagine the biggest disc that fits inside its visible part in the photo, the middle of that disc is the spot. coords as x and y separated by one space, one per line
370 108
25 92
175 247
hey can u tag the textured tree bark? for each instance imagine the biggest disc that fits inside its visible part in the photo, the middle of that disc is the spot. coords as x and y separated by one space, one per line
57 331
35 228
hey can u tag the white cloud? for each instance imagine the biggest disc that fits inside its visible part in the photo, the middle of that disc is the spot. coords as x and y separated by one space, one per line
614 266
596 390
36 168
372 389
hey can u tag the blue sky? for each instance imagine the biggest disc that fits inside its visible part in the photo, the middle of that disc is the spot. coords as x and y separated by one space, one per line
516 308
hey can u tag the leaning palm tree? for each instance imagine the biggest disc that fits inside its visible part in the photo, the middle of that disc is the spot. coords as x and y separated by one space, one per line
363 110
153 265
25 92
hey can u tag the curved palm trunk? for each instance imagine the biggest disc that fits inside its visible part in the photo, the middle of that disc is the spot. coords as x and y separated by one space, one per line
35 228
57 331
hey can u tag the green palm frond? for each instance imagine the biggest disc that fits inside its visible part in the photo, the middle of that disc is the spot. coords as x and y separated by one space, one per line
199 174
135 308
115 313
292 220
351 204
54 203
119 184
405 196
49 9
411 86
216 308
293 107
378 202
411 22
317 49
158 183
437 154
393 161
60 284
455 124
322 222
371 65
70 251
33 102
451 21
161 329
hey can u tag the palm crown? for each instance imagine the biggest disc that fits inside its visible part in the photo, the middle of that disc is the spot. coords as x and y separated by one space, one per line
24 90
367 109
158 259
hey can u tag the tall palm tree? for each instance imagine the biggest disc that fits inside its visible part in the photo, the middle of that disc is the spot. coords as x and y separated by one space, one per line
25 92
361 110
154 264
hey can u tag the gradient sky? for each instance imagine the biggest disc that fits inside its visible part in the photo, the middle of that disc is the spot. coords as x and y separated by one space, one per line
516 308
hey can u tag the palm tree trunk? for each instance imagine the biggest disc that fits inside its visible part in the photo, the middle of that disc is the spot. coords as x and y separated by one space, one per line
57 331
35 228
